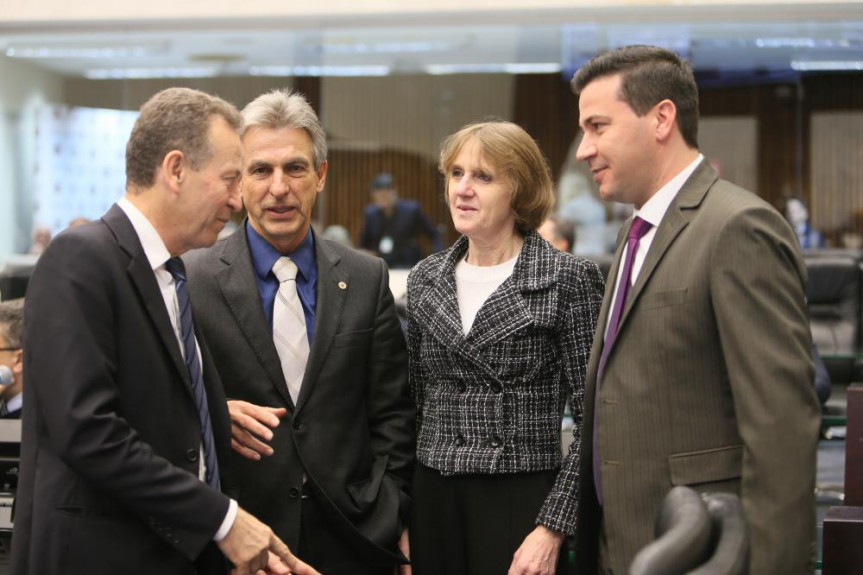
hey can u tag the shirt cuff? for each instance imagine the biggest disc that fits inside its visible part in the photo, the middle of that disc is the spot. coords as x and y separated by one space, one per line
227 523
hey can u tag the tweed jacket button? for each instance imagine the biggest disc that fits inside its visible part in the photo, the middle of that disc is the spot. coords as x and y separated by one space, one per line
496 441
462 387
459 440
496 387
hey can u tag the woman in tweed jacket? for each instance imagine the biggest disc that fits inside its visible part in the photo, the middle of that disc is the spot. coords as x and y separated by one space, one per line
499 331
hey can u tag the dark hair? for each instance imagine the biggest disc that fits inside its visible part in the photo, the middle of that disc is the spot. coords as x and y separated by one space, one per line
508 148
174 119
648 75
12 322
563 229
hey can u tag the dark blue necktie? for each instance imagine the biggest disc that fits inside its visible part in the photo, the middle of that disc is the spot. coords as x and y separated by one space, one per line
193 363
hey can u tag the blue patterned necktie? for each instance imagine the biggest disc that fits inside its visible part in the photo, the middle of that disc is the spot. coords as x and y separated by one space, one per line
193 363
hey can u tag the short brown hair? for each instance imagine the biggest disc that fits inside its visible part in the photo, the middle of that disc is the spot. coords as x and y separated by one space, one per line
174 119
509 148
648 75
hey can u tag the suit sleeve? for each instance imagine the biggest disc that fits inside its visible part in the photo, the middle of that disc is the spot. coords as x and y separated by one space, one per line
74 304
581 309
367 241
429 229
757 287
392 415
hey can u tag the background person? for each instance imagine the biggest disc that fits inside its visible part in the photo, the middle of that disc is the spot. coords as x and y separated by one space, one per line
12 356
323 424
499 328
559 232
391 226
700 372
125 431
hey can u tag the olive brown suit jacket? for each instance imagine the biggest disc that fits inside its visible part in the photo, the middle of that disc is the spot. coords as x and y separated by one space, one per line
709 383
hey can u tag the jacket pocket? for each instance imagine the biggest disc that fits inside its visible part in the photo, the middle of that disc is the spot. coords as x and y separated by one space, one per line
365 492
706 466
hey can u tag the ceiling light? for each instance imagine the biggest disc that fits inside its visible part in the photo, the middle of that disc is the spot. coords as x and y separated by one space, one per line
82 51
147 73
319 71
505 68
824 65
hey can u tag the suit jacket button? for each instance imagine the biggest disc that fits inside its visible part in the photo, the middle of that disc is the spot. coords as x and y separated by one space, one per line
459 440
496 441
192 455
298 425
293 492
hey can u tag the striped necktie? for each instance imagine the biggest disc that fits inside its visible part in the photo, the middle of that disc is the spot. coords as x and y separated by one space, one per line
193 364
289 326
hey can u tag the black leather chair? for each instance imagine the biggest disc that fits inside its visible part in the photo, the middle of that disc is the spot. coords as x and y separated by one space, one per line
696 535
834 297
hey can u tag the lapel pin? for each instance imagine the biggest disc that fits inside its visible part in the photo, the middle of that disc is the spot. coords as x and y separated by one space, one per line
343 285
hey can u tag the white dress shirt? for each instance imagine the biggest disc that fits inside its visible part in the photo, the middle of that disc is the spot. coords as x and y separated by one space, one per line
652 212
157 255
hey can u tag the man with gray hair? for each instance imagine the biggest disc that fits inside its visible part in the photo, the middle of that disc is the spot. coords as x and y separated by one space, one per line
308 345
11 357
125 432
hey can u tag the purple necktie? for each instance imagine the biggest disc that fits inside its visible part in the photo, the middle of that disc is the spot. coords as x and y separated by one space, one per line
636 232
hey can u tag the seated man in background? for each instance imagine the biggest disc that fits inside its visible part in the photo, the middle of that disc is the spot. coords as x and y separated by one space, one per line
391 226
11 357
559 232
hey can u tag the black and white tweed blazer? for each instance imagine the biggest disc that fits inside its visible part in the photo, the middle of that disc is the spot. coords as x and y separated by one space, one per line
491 401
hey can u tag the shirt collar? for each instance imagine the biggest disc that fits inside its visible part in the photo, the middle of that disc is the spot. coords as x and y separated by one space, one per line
264 255
154 247
15 403
654 209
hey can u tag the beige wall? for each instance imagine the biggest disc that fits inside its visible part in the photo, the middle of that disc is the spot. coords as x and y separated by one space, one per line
411 113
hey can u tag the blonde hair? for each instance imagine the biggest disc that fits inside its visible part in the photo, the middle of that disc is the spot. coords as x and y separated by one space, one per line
510 149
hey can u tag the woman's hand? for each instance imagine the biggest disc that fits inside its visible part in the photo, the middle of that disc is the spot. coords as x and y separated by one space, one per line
538 553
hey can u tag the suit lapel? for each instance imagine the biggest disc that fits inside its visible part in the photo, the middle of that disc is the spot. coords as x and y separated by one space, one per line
144 280
676 218
237 280
605 309
334 283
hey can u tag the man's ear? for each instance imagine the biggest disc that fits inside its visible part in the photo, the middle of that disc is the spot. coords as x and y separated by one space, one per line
18 362
174 167
666 118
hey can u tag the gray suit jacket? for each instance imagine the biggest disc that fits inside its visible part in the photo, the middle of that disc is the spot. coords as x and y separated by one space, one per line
709 383
352 430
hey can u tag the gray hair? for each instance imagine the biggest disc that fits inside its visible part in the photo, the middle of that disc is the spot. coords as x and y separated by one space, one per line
286 109
12 322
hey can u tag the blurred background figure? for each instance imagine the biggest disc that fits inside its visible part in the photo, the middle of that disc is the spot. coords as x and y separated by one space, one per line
559 232
798 216
41 237
391 226
338 234
578 203
11 357
79 221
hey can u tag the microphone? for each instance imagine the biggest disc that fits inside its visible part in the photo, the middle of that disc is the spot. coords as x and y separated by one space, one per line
5 375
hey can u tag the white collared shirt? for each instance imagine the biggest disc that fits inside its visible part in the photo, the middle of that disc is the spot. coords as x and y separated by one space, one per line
158 255
652 212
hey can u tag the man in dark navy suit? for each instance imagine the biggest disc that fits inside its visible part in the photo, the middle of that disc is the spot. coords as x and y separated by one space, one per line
391 226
